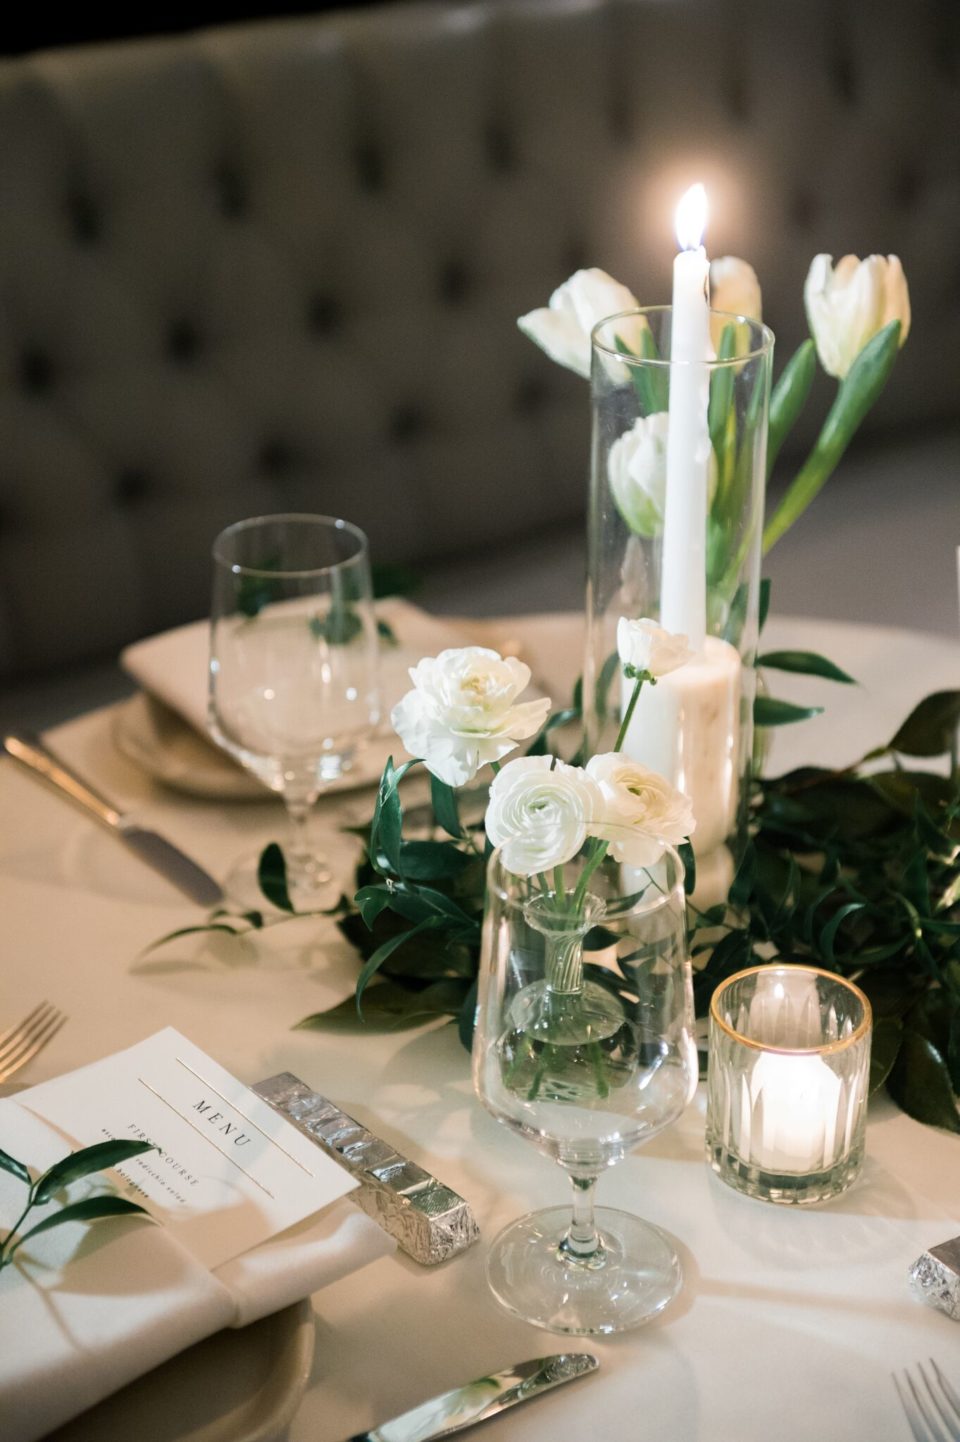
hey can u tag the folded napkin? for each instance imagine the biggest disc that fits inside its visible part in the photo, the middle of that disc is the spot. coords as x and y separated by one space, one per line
173 666
85 1309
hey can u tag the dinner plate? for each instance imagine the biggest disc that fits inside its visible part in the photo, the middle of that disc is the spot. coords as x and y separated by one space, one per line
242 1385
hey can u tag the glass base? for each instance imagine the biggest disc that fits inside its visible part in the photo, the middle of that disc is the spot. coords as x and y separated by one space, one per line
529 1275
791 1189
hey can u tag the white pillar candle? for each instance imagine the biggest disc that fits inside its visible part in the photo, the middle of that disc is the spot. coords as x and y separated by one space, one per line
683 574
789 1114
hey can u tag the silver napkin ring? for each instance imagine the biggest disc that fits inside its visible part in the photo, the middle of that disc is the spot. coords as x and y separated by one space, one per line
428 1220
936 1277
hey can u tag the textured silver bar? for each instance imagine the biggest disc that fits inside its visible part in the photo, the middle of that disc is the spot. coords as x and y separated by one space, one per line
429 1221
936 1277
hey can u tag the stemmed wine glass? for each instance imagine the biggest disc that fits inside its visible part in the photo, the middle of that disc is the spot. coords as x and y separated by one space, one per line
293 663
584 1046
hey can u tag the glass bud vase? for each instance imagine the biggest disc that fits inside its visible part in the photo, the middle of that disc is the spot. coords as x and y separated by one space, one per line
584 1046
692 566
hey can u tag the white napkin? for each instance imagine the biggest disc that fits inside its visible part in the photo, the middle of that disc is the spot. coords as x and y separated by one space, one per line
85 1309
173 666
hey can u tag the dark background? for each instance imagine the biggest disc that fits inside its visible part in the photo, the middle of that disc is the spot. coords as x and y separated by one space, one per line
24 31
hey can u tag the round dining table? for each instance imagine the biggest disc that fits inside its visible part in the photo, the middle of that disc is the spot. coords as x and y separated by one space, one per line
791 1321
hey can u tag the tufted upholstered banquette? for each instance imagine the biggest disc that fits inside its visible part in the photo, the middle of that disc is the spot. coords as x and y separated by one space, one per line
277 266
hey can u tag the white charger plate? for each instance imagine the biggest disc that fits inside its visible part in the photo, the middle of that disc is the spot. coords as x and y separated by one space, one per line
241 1385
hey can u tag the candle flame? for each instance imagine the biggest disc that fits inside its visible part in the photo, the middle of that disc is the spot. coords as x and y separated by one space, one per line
691 218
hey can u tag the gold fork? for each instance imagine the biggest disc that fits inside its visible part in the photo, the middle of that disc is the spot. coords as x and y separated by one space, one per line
22 1043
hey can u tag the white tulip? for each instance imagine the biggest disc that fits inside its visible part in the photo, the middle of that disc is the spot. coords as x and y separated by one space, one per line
847 304
734 288
462 712
563 327
637 471
540 813
637 468
648 647
642 813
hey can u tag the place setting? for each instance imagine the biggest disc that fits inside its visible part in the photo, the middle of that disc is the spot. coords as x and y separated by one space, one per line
628 924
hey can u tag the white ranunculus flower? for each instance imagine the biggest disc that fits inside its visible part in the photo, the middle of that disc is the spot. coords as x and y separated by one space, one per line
641 812
734 288
540 813
563 327
462 712
648 647
848 303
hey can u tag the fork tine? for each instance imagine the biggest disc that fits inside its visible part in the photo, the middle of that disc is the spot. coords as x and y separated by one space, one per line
27 1030
30 1048
21 1025
920 1433
923 1406
952 1400
938 1406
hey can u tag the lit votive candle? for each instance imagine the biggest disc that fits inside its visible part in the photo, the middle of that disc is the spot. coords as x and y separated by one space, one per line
787 1082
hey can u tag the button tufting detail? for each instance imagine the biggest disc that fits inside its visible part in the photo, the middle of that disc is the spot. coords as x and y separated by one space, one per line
37 374
84 218
132 486
324 315
455 283
407 423
183 342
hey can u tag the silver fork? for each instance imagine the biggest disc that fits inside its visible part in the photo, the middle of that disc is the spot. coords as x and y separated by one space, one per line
931 1404
21 1043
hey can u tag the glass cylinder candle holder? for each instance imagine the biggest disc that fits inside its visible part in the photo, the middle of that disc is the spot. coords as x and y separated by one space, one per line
696 431
787 1083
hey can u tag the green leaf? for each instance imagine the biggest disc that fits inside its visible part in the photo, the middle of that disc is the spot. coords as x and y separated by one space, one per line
386 633
650 382
89 1210
387 825
538 745
272 877
789 396
721 391
608 670
829 933
432 860
388 1006
804 663
446 812
884 1049
919 1082
15 1168
765 588
855 395
688 857
83 1163
371 900
767 711
931 727
339 626
382 953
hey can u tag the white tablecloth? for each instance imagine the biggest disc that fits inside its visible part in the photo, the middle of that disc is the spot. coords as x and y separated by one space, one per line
789 1323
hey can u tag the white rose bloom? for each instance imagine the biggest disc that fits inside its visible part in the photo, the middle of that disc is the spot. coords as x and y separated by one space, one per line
641 812
461 712
847 304
734 288
563 327
540 813
648 647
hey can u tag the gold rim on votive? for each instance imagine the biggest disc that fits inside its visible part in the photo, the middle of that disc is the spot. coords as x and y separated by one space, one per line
828 1046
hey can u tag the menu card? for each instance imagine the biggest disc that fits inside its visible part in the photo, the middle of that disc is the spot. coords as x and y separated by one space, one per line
229 1173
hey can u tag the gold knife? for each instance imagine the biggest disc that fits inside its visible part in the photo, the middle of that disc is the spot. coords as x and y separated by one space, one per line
152 848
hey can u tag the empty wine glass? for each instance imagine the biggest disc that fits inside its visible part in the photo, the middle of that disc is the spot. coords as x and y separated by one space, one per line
293 663
584 1046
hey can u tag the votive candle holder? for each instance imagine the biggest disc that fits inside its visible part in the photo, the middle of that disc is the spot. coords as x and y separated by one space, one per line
787 1083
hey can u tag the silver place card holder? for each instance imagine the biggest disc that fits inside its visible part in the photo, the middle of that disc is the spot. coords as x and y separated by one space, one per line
428 1220
936 1277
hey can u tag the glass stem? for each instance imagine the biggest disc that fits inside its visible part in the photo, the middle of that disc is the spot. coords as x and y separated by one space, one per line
304 868
582 1242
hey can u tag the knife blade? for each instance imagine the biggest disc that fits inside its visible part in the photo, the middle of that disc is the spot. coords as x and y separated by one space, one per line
451 1412
150 846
